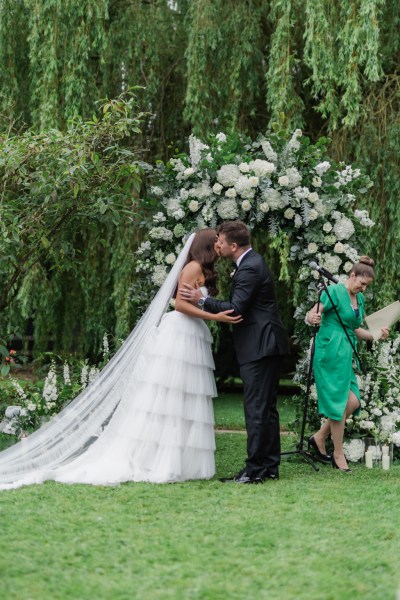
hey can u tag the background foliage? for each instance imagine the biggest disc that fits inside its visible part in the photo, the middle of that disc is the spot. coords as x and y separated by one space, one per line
205 66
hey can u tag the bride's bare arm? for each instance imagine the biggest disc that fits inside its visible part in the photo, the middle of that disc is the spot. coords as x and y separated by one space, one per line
193 275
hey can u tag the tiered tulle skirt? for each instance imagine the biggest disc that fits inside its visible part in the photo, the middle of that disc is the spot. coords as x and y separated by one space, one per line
163 428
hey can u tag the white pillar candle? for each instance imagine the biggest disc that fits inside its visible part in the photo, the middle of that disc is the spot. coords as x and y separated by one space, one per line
368 459
385 450
385 462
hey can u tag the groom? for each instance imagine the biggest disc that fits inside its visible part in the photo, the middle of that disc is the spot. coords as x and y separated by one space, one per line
260 341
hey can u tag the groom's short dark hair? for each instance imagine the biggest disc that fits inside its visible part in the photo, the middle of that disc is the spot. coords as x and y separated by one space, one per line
236 232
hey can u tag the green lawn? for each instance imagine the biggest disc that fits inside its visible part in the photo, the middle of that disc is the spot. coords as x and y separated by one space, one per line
311 535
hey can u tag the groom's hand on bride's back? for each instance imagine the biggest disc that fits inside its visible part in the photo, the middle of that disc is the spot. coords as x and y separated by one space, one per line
189 293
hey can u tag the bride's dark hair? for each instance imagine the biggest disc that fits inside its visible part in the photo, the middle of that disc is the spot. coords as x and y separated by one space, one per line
202 250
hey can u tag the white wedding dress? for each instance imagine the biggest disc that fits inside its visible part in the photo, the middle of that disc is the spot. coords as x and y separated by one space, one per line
151 417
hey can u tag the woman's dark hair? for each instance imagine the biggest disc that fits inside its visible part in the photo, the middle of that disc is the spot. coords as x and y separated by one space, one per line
202 250
236 232
364 267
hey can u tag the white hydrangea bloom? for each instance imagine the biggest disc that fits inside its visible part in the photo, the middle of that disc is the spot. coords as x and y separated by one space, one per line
163 233
201 190
244 167
184 194
363 217
354 450
244 188
227 209
396 438
144 247
331 262
221 137
313 197
294 176
343 228
195 148
157 191
313 214
159 217
217 188
262 168
274 199
159 275
228 175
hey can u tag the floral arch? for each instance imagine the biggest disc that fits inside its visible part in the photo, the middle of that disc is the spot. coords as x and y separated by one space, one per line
282 186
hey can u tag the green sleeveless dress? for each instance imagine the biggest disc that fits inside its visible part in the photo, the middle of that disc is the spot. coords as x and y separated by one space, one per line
333 358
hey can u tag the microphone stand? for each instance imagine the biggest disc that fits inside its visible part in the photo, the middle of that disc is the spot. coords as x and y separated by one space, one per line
309 458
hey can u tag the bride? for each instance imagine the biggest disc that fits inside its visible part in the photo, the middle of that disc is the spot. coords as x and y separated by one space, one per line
149 415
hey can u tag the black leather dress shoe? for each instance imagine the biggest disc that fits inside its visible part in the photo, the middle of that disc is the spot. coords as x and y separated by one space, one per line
273 476
242 478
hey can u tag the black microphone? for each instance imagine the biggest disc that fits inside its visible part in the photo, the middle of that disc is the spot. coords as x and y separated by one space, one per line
324 272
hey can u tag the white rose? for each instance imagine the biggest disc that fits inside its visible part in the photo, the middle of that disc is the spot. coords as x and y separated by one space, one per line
338 248
264 207
170 258
283 180
254 181
193 205
289 213
347 266
244 167
313 197
327 227
246 205
317 181
217 188
312 248
230 193
313 214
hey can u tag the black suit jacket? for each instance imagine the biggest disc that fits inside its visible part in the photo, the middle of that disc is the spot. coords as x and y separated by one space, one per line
261 332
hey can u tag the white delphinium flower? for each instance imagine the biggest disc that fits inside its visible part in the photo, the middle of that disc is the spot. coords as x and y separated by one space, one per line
294 176
228 175
207 212
339 248
244 167
262 168
327 227
230 193
66 371
284 180
170 258
159 217
298 221
317 182
294 144
50 393
269 151
363 217
188 172
177 165
144 247
84 376
195 148
313 197
289 213
343 228
217 188
19 389
246 206
157 191
193 205
106 347
209 158
322 168
221 137
227 209
159 275
93 374
162 233
312 248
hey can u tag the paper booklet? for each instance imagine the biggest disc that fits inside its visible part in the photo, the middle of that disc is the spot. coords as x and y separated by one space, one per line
383 318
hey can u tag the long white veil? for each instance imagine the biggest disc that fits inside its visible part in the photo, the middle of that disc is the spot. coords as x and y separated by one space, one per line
68 434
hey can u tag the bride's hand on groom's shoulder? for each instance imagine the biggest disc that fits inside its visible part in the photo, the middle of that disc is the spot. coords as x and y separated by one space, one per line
226 317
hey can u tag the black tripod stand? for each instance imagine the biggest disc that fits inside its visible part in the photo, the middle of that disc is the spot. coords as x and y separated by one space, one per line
309 458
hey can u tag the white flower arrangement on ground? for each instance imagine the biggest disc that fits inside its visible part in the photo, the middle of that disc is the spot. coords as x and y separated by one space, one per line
380 395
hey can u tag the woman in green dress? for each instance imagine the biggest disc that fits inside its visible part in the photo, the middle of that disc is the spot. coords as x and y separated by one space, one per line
336 383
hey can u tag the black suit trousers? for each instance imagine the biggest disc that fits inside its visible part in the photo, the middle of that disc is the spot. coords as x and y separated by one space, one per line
261 380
